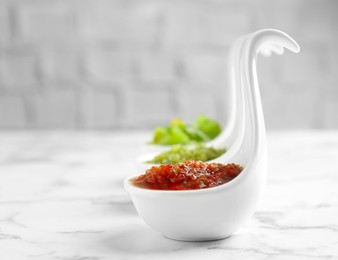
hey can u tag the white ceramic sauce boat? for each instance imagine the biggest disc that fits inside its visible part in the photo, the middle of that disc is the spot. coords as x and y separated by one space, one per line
215 213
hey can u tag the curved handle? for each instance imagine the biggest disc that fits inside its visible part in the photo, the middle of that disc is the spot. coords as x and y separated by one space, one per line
233 131
268 40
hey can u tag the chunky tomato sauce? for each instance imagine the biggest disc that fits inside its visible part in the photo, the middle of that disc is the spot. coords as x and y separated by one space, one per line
189 175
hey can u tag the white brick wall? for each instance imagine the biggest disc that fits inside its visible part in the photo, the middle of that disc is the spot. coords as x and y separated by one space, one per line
206 69
12 112
98 109
4 25
45 22
60 66
193 102
138 63
109 66
122 23
150 107
18 69
156 68
54 109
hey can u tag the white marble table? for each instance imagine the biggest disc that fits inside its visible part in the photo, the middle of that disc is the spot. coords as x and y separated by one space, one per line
61 198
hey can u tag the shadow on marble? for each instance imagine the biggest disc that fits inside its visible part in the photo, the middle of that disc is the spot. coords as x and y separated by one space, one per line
125 208
140 239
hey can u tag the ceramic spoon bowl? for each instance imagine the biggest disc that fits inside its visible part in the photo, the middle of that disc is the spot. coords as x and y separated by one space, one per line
214 213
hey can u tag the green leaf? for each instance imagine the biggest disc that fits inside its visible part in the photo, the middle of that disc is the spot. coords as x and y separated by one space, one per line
178 132
208 126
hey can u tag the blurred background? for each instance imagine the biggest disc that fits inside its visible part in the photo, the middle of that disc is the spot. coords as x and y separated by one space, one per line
122 64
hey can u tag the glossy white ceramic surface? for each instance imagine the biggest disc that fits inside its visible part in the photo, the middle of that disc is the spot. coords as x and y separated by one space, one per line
214 213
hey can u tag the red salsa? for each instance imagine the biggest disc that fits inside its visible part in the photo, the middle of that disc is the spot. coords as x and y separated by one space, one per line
189 175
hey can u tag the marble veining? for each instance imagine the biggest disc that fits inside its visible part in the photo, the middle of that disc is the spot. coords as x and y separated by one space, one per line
61 198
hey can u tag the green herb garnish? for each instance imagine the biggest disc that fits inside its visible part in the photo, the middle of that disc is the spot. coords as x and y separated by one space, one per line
178 132
181 153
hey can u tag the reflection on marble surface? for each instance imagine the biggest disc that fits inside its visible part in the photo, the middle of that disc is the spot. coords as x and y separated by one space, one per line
61 198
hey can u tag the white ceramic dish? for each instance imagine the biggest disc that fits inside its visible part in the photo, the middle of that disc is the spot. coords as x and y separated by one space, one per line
215 213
